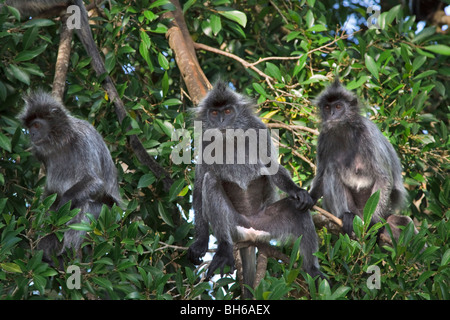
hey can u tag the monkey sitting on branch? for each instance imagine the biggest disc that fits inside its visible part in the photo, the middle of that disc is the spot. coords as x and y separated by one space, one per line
354 160
235 192
78 166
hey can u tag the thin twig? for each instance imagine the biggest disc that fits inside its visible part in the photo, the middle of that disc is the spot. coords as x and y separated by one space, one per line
331 217
292 127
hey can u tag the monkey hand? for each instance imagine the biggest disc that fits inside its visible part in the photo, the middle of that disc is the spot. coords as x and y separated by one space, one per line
222 257
347 221
303 199
196 251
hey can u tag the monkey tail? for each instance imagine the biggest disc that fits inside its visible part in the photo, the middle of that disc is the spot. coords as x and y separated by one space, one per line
86 38
248 257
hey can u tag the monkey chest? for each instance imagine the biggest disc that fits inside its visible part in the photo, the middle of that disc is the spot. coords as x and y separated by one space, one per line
356 174
250 200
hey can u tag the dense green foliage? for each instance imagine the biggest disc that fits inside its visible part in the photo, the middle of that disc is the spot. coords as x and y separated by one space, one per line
137 253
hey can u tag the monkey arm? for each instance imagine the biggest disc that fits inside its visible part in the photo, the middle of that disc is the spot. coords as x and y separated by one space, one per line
284 182
200 246
87 188
316 191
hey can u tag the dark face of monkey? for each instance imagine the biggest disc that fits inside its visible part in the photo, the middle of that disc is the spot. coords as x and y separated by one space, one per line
47 123
223 117
77 162
337 105
225 109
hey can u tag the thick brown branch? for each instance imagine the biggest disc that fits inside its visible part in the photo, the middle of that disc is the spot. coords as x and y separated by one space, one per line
181 43
63 59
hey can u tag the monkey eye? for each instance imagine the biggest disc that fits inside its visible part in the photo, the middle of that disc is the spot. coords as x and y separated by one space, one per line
327 107
338 106
227 111
36 125
214 112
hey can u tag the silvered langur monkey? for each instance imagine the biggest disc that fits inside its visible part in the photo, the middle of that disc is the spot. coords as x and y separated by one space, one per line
354 160
77 162
236 194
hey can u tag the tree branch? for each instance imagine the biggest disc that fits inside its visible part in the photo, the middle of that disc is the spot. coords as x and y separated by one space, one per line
181 43
63 59
267 78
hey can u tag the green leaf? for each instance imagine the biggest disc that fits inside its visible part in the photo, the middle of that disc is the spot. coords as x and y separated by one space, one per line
38 23
340 292
176 188
163 61
159 3
81 226
110 62
146 180
356 84
309 17
370 207
187 5
425 74
317 28
372 66
29 54
104 283
273 71
235 15
39 282
19 74
11 267
165 126
216 24
5 143
258 88
424 34
164 214
439 49
446 258
418 62
14 12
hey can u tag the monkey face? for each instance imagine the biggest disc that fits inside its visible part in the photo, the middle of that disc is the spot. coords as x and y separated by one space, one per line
223 117
334 111
39 131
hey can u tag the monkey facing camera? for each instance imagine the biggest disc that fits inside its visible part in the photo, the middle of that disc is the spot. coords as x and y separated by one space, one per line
239 198
354 160
78 166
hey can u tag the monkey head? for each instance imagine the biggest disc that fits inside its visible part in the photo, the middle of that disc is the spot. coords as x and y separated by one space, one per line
223 108
47 121
337 104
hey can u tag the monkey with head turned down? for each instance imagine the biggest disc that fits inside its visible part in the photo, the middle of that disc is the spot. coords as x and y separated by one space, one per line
77 162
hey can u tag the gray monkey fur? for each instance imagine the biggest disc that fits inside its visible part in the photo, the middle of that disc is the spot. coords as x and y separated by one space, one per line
77 162
354 160
233 198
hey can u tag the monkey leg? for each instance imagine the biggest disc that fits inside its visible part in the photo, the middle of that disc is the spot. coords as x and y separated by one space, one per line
223 218
395 222
74 238
283 221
